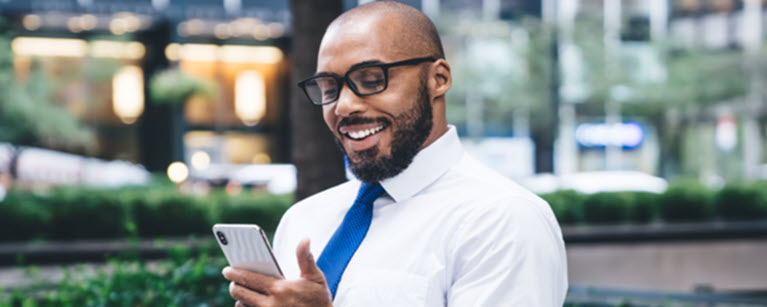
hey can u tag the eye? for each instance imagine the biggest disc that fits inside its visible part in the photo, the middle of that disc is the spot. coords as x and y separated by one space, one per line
373 83
330 92
370 81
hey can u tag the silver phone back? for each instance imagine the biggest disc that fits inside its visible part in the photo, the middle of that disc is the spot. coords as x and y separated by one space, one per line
247 248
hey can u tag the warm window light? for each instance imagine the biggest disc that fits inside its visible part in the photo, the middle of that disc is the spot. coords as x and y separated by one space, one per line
276 29
226 53
171 51
197 52
194 27
200 160
71 47
250 97
132 22
117 50
118 26
31 22
74 25
242 26
88 22
261 158
250 54
261 32
35 46
178 172
128 93
222 31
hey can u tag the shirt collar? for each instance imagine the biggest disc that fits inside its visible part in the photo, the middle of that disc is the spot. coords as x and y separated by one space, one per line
427 166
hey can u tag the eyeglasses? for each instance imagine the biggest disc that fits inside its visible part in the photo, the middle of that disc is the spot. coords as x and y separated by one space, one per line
363 80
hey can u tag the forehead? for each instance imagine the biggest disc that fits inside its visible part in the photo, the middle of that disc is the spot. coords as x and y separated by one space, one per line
355 41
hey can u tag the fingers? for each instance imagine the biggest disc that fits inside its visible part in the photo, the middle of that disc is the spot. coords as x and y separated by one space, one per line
246 297
254 281
309 269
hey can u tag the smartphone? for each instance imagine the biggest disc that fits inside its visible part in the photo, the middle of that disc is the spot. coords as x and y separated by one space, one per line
246 247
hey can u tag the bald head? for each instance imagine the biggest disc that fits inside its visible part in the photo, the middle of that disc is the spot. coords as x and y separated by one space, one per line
410 31
383 43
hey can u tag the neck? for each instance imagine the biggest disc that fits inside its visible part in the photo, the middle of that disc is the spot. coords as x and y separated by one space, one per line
437 131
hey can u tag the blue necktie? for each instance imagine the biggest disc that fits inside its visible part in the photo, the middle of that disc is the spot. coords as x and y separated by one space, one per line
348 236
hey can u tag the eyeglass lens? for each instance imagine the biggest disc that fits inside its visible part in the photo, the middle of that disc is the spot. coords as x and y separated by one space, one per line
366 81
322 89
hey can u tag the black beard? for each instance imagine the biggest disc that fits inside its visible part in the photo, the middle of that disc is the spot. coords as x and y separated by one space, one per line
411 129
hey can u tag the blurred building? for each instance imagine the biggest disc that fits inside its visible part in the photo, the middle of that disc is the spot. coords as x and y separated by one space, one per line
641 40
102 55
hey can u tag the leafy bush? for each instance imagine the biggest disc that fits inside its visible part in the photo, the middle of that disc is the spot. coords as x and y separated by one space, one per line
160 210
81 213
687 201
567 206
22 217
571 207
184 280
166 214
742 202
645 206
601 208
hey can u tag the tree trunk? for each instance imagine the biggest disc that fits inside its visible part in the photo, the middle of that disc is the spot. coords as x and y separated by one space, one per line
318 161
160 127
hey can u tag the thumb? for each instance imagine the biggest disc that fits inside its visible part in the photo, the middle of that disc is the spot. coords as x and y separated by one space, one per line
309 269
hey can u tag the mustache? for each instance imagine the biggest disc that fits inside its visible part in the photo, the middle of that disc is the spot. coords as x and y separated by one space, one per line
362 120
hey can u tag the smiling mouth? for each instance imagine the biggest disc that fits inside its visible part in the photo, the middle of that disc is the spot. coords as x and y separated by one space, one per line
360 134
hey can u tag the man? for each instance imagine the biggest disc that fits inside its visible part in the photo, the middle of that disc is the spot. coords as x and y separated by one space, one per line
425 224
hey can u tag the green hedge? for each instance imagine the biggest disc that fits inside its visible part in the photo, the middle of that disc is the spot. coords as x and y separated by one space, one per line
683 201
157 211
186 279
161 211
687 201
746 202
182 280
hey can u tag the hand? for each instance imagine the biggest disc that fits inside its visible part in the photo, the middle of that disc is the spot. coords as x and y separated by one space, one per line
257 290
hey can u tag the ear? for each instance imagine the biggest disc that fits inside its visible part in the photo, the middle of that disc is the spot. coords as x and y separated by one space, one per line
440 79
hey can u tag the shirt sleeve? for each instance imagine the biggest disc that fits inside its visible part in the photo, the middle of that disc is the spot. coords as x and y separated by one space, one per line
284 247
509 253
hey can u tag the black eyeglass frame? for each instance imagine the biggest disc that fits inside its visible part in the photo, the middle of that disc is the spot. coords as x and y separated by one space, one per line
345 79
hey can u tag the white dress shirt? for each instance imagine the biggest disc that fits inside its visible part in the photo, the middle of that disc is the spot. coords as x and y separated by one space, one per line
448 232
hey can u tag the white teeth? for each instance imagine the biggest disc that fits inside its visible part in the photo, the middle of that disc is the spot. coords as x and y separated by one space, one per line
358 135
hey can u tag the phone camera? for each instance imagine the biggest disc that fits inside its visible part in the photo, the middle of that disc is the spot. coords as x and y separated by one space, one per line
221 237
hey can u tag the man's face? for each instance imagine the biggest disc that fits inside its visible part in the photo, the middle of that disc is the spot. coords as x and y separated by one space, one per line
380 133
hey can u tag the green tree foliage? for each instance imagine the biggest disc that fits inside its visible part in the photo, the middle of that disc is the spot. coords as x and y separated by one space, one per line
175 87
696 82
28 115
665 84
508 65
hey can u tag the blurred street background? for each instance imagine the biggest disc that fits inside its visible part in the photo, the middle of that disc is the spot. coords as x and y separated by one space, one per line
128 128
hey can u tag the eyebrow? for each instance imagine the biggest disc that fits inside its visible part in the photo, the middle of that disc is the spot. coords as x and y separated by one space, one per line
363 63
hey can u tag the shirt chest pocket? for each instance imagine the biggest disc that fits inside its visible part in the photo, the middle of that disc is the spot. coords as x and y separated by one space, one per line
376 287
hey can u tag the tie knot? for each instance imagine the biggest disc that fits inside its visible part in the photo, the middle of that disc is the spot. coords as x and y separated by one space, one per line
369 192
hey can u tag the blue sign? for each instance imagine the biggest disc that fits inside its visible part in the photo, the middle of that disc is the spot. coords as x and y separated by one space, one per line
599 135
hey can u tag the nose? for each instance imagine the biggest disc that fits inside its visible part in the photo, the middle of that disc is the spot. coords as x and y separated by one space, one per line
349 103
